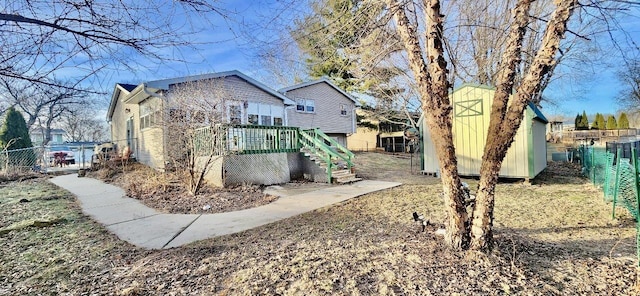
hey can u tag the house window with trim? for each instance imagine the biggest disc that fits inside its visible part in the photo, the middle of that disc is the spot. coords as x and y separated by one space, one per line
253 119
277 121
253 113
235 114
149 113
266 120
305 105
343 110
199 117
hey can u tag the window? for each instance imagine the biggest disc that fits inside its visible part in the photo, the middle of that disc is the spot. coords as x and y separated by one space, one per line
253 111
343 110
253 119
311 106
266 120
235 114
277 121
149 114
199 117
305 105
300 105
177 115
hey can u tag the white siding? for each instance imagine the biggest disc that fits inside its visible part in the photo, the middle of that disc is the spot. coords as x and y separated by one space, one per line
327 115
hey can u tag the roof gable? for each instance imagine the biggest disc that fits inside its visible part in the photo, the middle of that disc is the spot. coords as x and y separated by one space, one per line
117 90
321 80
536 111
127 87
165 83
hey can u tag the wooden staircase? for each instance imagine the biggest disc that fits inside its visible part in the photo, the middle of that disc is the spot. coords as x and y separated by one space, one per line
336 160
344 176
340 173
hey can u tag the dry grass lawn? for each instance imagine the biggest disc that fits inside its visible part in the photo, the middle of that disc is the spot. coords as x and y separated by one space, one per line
555 237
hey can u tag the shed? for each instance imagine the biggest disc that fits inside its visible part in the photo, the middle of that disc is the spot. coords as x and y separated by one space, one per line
526 157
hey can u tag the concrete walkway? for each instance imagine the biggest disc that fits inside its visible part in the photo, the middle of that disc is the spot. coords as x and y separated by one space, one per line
145 227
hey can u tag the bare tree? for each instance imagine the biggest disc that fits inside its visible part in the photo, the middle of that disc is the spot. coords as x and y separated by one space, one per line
194 112
429 66
42 39
347 42
82 125
629 96
518 46
43 105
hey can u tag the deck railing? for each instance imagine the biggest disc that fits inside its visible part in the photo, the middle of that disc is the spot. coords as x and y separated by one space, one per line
247 139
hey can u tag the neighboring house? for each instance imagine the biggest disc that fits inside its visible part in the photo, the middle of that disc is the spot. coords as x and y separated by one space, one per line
555 131
321 104
264 150
527 155
387 136
366 136
38 134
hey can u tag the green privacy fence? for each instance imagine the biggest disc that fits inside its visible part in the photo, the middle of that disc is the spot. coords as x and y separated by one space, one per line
617 177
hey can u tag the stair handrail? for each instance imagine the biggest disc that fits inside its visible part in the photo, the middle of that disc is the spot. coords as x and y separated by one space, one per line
316 147
349 158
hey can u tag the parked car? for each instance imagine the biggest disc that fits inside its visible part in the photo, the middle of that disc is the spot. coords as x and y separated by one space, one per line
61 155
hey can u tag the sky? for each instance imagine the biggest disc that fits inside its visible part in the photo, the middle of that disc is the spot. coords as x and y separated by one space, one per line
595 89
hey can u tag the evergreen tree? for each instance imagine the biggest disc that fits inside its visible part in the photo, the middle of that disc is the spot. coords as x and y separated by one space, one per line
611 122
14 127
623 121
584 121
333 38
599 122
594 124
577 121
14 134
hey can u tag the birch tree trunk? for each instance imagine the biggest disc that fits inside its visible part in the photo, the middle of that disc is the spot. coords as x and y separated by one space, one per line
506 113
433 86
506 118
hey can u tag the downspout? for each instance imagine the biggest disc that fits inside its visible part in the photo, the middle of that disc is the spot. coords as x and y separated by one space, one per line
286 123
286 110
286 114
354 115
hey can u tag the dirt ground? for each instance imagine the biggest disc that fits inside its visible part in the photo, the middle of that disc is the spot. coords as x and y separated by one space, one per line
163 191
554 236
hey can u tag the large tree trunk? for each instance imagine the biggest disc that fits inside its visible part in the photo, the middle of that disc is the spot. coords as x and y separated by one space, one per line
506 116
457 236
506 119
433 86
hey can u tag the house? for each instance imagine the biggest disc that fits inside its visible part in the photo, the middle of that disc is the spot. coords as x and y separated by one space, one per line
37 136
321 104
526 157
383 132
256 145
555 130
367 129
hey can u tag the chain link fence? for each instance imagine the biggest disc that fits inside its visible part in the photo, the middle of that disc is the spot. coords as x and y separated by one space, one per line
22 161
619 179
45 159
